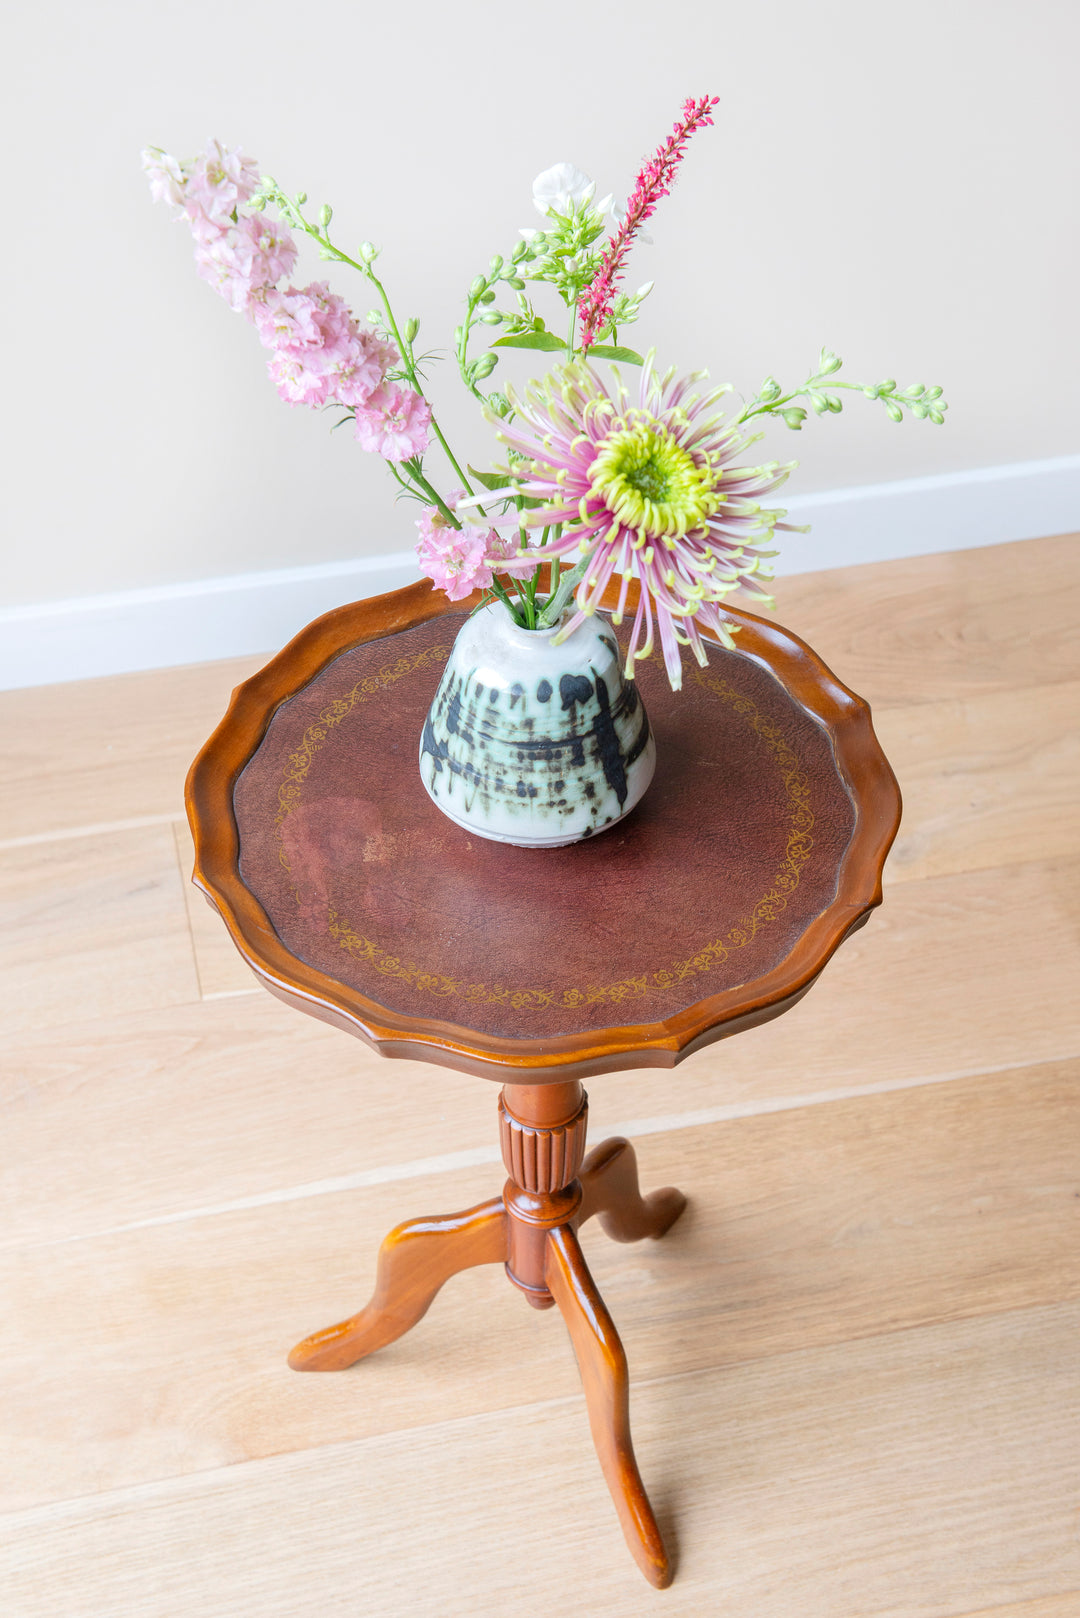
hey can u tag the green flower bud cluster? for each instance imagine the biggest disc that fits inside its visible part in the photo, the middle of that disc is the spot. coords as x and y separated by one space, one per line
480 300
561 254
925 404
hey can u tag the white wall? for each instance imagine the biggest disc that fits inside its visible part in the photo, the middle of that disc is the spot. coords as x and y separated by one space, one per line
896 181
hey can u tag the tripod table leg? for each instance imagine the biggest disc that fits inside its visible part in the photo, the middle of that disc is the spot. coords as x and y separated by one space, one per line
414 1262
602 1362
609 1183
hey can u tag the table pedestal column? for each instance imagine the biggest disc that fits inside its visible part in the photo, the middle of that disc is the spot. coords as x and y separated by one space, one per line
542 1131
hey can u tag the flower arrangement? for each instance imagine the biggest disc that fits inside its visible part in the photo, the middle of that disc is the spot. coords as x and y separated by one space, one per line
608 484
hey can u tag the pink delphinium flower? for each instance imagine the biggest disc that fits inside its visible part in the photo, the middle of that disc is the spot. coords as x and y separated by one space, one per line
359 368
320 354
655 181
394 423
220 181
458 560
297 382
168 183
265 247
285 319
646 490
217 262
245 258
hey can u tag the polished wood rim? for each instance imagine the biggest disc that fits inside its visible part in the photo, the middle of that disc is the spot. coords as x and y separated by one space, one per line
860 762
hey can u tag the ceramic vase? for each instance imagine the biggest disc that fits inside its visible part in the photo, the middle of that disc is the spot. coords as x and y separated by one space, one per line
533 743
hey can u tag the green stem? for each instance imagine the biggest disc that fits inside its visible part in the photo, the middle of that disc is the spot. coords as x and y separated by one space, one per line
432 493
414 380
774 405
500 591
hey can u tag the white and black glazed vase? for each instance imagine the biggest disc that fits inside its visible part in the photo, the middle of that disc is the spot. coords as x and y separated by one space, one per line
531 743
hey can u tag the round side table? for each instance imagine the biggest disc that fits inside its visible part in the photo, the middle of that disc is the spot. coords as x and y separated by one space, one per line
711 908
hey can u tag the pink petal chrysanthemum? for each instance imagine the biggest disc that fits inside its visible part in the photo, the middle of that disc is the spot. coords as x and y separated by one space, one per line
645 489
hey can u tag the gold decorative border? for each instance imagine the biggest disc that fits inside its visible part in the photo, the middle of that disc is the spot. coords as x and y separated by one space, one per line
299 763
784 883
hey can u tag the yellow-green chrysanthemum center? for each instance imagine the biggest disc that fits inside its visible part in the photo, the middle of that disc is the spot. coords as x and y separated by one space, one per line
650 483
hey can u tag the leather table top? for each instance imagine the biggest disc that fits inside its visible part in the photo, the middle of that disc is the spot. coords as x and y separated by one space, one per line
708 885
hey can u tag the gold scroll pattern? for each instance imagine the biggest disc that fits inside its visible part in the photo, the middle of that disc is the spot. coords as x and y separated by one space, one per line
299 763
444 986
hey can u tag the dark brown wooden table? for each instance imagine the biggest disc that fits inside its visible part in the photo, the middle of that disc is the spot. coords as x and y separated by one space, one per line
713 907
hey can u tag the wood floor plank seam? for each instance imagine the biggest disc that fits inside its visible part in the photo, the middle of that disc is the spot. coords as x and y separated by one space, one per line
478 1156
192 1481
100 828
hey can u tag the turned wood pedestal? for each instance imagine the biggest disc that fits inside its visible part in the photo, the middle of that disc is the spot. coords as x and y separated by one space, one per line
712 907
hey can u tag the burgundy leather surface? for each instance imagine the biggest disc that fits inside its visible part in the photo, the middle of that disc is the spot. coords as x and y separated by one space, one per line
705 886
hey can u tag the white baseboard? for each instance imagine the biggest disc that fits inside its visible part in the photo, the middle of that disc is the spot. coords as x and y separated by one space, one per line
956 511
50 641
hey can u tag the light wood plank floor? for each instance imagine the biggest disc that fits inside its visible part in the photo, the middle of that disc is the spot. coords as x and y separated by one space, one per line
856 1378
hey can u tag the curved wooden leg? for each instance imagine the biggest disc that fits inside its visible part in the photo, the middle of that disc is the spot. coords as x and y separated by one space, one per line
609 1183
414 1262
602 1362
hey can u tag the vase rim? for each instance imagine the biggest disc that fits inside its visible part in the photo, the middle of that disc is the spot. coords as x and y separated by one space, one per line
531 635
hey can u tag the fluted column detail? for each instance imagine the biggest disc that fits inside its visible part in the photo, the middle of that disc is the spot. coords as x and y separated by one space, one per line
542 1160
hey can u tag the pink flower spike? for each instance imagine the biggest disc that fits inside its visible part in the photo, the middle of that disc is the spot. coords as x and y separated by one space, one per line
394 423
655 181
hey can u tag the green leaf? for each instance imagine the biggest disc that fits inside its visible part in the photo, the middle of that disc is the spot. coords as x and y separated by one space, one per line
490 480
545 340
609 351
